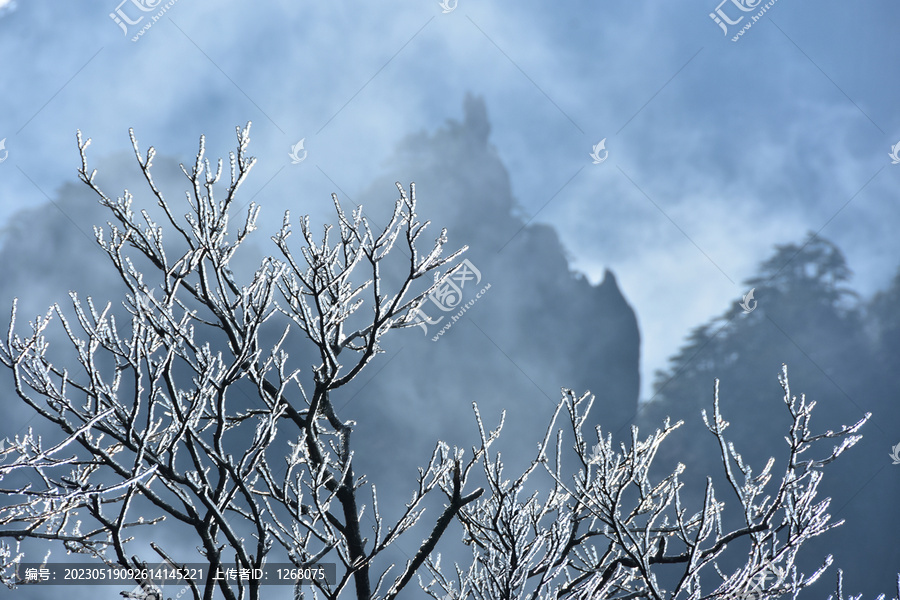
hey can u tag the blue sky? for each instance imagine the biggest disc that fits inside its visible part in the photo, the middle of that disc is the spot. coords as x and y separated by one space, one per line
717 149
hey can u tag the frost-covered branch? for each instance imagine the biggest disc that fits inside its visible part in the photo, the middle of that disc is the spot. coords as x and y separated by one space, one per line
603 528
153 419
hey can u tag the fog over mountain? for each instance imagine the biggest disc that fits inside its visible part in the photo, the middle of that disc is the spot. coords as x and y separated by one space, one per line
750 144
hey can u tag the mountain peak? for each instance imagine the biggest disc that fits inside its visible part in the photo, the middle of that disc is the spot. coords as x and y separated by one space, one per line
475 117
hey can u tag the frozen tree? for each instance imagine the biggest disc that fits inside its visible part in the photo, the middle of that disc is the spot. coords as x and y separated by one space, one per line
606 531
152 414
195 413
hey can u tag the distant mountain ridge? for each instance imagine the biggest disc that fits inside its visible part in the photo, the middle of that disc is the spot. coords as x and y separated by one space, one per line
540 320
